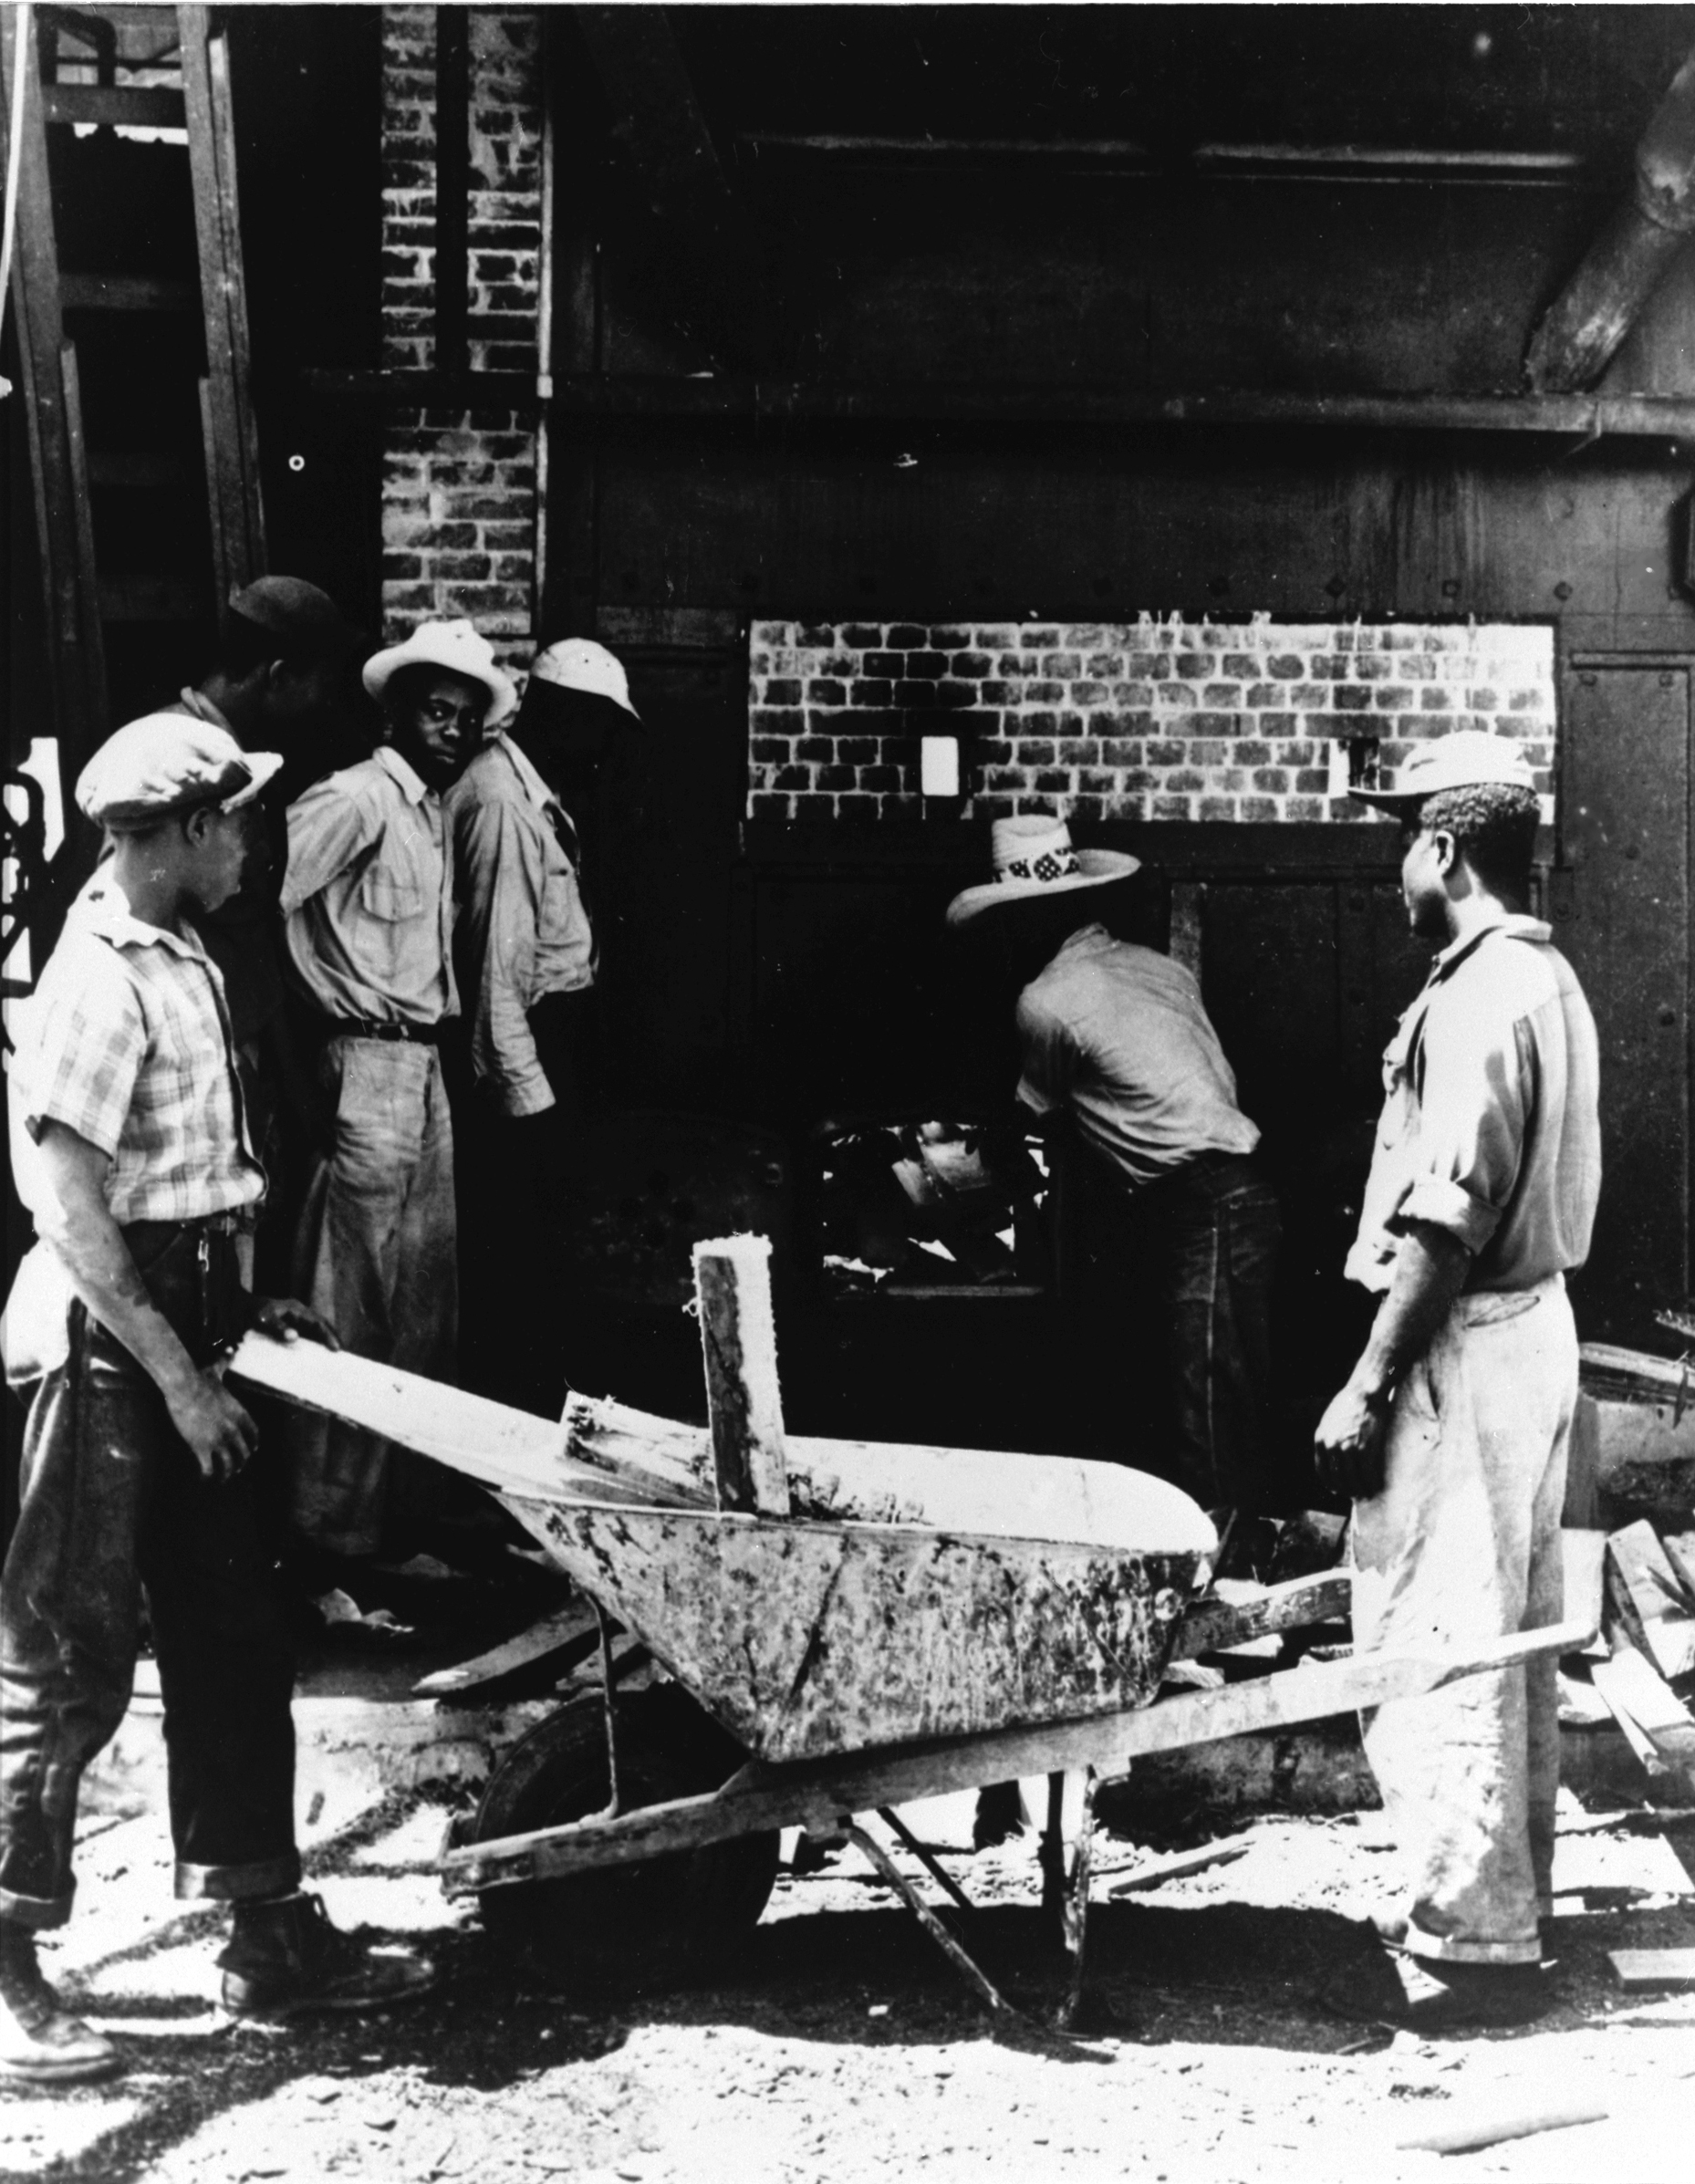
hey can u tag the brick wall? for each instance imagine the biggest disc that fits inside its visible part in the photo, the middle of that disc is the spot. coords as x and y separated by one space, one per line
1151 720
460 488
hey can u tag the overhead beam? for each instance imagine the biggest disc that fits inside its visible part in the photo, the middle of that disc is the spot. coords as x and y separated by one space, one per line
734 400
709 263
1585 325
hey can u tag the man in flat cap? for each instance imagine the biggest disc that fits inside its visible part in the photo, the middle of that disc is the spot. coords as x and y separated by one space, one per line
278 685
367 901
133 1154
527 959
1452 1431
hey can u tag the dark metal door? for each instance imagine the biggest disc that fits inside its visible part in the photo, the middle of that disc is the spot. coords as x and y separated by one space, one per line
1622 915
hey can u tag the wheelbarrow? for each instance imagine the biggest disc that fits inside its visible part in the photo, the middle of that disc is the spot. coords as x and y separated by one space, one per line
847 1627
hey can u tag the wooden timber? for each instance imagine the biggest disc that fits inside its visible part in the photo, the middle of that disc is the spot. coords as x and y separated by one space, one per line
1648 1598
1642 1968
816 1794
1639 1698
638 400
1215 1626
1598 307
745 1399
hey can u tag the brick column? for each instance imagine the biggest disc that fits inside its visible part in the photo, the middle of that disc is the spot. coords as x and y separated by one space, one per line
459 514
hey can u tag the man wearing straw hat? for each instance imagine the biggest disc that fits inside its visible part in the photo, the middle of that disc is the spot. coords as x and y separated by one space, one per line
1118 1049
132 1153
1452 1431
367 899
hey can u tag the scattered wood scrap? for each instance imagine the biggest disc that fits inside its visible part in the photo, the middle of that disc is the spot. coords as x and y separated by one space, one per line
1639 1969
1461 2137
1649 1600
1181 1863
1650 1713
573 1630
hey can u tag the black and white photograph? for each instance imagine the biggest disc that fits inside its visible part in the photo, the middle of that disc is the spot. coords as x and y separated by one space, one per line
846 999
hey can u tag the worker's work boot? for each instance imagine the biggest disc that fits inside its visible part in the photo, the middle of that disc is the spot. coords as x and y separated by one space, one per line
41 2042
284 1957
1398 1989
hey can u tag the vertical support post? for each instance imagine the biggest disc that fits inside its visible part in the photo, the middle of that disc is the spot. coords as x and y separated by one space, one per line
232 487
738 1336
453 190
71 596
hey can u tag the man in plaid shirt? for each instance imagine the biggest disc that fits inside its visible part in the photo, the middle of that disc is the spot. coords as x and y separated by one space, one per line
133 1156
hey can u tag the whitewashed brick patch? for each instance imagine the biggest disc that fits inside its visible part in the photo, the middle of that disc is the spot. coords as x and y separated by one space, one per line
1157 719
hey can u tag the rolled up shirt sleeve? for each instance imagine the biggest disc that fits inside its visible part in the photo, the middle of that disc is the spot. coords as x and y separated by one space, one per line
1477 1096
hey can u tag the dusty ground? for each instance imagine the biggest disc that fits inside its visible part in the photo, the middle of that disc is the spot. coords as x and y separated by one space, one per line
843 2047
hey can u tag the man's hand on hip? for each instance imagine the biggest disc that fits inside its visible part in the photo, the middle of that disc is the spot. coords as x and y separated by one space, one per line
1348 1447
215 1427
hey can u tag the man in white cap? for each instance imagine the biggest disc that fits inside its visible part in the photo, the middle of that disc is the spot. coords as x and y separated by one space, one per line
1178 1228
528 958
1452 1431
130 1150
367 899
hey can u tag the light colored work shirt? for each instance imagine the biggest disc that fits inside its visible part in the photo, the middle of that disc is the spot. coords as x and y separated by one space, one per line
368 896
1117 1035
126 1041
1491 1126
524 930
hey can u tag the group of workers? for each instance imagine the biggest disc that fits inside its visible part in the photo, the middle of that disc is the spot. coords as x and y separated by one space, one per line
260 974
271 946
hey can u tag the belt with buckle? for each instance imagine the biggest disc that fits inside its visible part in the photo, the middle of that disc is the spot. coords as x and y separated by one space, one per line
411 1034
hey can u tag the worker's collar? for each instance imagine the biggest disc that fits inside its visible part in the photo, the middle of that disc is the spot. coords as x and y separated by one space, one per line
525 768
1511 923
104 909
404 777
1085 937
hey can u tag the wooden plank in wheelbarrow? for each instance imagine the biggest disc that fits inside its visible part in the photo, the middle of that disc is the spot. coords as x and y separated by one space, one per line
511 1451
816 1793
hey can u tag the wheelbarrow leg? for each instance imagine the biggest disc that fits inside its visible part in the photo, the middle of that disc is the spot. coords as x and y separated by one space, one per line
1074 1907
958 1957
608 1696
931 1865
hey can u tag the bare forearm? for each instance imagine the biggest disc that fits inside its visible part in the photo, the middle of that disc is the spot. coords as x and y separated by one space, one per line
1430 1272
104 1276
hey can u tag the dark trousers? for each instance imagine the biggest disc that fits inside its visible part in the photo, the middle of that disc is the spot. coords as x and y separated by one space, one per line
1177 1281
512 1212
112 1499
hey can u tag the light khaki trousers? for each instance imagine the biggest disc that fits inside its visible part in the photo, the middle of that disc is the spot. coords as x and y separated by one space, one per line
1462 1545
376 1254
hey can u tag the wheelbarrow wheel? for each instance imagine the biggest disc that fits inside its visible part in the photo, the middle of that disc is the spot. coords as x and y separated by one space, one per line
620 1926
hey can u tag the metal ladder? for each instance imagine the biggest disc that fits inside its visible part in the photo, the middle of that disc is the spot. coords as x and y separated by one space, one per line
129 325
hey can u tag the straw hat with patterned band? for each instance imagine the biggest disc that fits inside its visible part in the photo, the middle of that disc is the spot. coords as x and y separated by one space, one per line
1467 758
452 645
1035 860
167 763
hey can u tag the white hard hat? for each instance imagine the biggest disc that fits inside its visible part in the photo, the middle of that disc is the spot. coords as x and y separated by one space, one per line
579 663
